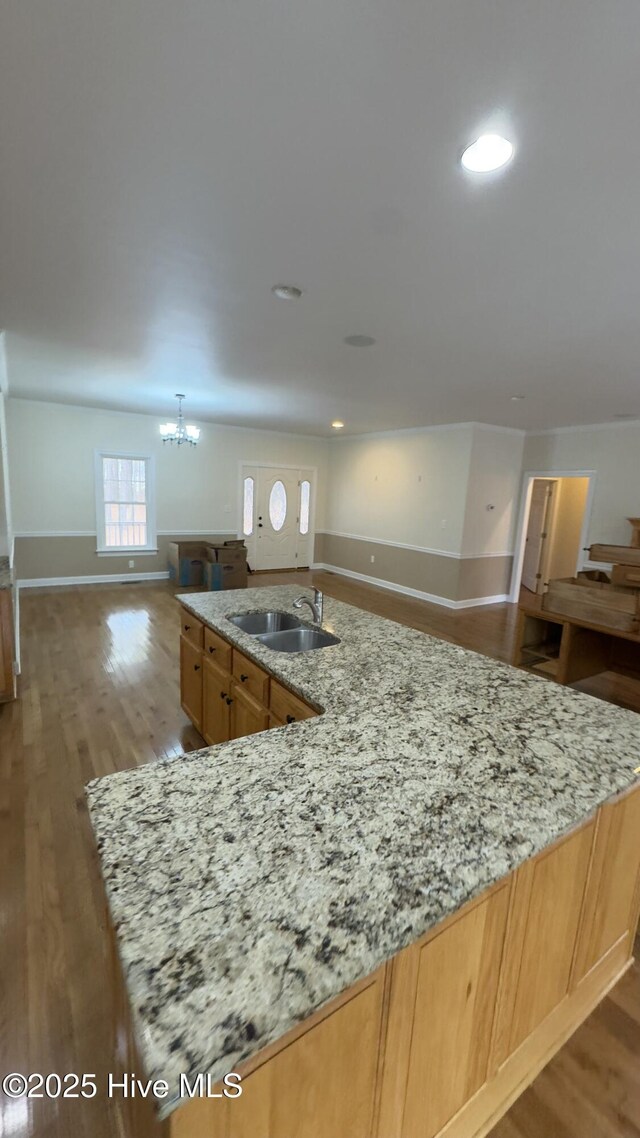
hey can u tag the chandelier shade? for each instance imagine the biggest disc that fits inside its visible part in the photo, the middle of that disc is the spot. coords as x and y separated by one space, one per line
179 432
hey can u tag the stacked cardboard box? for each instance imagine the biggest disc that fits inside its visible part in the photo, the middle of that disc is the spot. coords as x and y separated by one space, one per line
216 565
226 565
187 560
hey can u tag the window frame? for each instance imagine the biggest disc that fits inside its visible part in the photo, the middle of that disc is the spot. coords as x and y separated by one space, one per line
102 549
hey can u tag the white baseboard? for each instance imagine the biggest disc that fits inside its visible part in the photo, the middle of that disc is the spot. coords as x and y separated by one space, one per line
433 598
98 579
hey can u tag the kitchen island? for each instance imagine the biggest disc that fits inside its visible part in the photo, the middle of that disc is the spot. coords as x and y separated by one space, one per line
387 916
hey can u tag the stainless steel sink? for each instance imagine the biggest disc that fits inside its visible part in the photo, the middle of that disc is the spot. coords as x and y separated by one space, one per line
298 640
256 623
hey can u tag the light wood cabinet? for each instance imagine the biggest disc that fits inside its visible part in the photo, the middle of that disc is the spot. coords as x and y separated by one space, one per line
216 704
7 677
612 895
321 1085
217 649
441 1013
191 681
225 694
248 716
287 707
545 915
254 680
192 629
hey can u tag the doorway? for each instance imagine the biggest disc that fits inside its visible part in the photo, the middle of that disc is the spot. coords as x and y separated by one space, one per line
277 507
553 529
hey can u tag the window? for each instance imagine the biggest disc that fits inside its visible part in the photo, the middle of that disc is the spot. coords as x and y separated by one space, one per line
247 508
305 500
124 503
277 505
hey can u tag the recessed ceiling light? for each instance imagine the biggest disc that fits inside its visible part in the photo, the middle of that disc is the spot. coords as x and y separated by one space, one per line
489 152
287 292
337 424
625 415
517 398
359 341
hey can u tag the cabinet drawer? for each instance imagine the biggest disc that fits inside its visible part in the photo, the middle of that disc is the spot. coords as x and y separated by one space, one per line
286 706
191 628
217 649
252 678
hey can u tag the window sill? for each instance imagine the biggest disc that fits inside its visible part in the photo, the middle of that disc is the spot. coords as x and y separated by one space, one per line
135 552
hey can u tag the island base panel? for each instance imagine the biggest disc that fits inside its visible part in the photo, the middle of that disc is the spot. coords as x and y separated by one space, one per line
440 1041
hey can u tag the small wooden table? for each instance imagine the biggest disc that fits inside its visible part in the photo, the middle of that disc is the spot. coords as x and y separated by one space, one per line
567 649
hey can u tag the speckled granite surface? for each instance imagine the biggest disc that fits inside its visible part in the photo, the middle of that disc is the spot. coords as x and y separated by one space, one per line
6 579
251 882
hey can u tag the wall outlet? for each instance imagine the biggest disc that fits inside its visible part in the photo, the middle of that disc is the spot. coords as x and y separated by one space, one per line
373 557
131 564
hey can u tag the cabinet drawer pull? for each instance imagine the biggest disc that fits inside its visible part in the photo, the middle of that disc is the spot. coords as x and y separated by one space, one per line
187 627
211 649
291 718
229 701
244 678
196 667
223 695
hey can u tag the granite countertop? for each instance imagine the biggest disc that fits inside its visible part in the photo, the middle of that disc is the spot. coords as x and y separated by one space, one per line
6 576
251 882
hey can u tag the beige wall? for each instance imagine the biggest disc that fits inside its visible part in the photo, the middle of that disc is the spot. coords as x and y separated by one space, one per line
416 502
566 530
613 452
408 487
6 527
495 475
51 454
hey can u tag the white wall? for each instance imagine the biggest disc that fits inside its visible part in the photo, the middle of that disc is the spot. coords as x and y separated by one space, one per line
494 480
51 452
613 451
404 487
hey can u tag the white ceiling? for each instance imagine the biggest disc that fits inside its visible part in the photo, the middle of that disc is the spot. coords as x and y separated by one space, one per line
163 164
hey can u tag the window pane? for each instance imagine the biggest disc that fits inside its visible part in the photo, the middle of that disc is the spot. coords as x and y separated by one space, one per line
247 509
305 498
278 505
124 489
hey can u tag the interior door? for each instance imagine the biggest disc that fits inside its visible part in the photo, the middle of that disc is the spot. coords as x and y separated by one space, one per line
276 518
536 534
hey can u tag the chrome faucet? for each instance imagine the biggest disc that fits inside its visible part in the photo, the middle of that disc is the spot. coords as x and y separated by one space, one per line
316 605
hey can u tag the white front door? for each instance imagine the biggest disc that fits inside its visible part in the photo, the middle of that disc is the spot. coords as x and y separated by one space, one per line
276 516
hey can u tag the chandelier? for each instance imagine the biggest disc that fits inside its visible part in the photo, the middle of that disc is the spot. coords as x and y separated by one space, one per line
179 432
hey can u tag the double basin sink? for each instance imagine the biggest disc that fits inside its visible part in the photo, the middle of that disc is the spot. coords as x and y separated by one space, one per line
283 632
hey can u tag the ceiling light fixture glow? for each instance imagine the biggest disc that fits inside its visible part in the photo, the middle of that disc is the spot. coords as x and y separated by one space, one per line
286 292
487 153
337 424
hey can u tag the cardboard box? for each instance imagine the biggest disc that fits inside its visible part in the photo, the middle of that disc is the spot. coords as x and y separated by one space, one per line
186 561
218 575
227 552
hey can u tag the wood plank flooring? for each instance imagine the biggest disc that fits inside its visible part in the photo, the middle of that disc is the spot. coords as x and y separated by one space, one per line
99 693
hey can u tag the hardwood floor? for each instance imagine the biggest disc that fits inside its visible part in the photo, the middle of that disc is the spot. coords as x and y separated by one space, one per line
99 693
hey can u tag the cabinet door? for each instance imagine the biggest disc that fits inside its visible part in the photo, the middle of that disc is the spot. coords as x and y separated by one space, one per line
547 903
440 1020
216 704
247 715
191 681
611 899
321 1085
